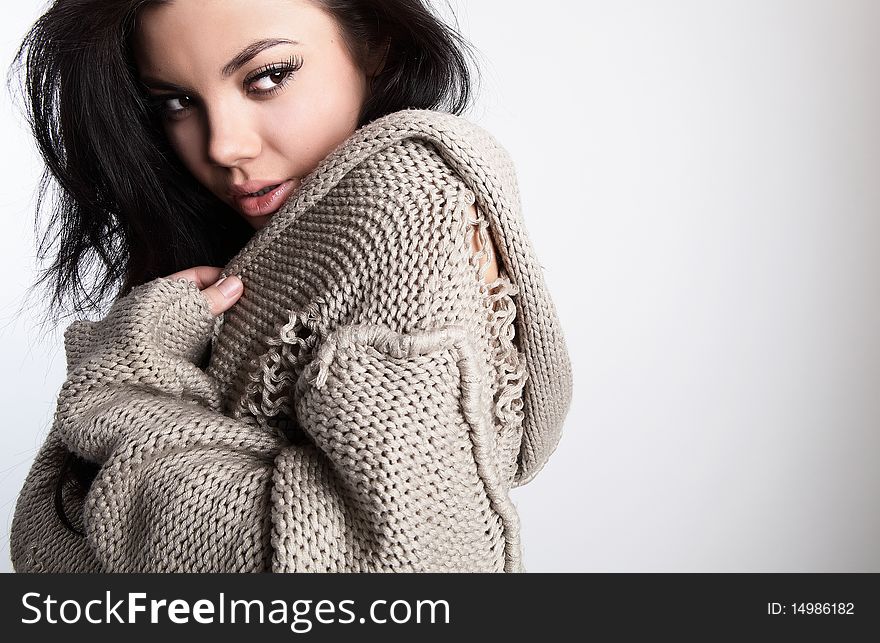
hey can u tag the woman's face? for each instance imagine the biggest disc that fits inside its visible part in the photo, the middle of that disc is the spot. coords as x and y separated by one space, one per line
254 92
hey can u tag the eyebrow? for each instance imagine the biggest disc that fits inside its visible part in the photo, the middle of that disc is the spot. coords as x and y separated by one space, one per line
238 61
247 54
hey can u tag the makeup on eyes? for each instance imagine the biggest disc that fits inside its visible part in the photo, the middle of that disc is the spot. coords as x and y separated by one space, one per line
287 68
284 71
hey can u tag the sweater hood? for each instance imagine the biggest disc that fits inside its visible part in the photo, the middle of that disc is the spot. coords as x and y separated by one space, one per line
487 169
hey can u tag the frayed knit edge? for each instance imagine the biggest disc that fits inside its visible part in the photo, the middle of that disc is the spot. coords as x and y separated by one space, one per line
508 362
272 374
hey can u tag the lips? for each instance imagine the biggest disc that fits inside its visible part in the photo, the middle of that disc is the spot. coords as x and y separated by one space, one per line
254 200
250 187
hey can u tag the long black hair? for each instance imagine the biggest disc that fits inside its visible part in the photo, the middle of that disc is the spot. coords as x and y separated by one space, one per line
125 208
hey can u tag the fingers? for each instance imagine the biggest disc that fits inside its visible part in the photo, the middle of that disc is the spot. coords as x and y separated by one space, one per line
223 294
203 276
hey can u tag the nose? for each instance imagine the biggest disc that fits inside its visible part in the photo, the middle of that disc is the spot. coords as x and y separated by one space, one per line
232 137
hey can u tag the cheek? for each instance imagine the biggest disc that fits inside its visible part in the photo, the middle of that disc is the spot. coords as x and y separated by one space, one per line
295 129
185 139
333 92
307 123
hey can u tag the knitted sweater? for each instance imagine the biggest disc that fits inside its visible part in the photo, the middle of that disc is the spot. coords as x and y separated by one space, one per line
366 405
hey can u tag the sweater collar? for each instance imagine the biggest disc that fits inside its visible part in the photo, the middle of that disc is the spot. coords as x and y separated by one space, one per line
447 131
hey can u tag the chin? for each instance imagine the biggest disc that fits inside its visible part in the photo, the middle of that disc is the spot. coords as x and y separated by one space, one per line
258 222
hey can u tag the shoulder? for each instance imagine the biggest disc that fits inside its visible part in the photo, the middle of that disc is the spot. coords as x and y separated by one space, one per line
430 146
417 176
408 187
408 165
429 175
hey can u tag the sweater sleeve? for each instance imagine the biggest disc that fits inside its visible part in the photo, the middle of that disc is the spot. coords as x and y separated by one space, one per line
181 487
390 479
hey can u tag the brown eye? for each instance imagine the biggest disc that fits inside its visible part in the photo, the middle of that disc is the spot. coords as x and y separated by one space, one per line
171 106
271 80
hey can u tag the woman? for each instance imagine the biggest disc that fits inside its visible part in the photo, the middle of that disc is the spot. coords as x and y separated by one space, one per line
350 394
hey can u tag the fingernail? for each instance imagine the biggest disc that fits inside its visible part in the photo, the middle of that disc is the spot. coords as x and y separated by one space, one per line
229 286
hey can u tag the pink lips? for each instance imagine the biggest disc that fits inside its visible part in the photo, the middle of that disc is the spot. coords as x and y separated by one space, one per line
255 206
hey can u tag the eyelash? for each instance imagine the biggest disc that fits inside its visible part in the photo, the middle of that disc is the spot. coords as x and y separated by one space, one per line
289 67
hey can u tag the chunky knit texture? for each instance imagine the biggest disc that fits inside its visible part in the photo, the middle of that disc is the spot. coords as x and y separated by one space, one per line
366 405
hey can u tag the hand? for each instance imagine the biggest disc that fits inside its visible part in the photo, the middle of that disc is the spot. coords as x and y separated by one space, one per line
220 294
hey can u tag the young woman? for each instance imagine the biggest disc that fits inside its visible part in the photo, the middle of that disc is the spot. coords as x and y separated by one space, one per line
311 306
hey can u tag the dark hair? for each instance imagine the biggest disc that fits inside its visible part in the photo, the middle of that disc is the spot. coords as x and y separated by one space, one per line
126 208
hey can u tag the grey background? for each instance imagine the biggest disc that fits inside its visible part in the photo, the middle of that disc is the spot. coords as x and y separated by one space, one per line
700 181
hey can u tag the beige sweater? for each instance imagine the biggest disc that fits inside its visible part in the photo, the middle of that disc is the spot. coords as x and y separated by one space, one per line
365 406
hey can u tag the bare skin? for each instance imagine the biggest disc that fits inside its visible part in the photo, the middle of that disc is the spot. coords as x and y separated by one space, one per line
474 240
271 119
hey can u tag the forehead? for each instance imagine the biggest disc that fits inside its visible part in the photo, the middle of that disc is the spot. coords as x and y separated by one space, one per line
183 34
